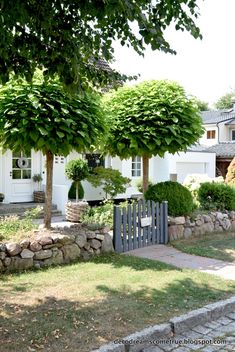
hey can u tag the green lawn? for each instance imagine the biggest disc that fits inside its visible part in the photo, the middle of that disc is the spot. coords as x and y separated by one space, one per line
218 246
82 306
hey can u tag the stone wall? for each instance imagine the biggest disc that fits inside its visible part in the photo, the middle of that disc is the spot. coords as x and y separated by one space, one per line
59 246
184 227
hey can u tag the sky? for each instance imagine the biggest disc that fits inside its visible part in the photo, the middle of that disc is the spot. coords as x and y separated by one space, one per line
205 68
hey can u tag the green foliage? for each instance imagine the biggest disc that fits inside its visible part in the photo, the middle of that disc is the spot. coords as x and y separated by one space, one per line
37 178
12 227
72 191
226 101
111 181
216 196
77 170
68 37
139 185
230 176
202 105
151 118
180 200
44 117
193 182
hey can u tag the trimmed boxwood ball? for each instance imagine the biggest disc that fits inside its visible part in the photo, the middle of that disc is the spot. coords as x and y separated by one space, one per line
216 196
180 200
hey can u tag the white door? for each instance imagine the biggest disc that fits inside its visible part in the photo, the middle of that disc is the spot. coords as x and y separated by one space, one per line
18 177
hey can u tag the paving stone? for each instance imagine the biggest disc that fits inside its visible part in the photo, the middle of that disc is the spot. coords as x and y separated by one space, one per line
192 335
182 349
153 349
231 316
202 329
213 324
224 321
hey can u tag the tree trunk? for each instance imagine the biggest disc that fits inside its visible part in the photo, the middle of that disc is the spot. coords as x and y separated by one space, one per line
49 181
145 159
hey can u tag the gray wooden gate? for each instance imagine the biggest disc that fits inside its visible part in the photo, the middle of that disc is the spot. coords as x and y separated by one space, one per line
140 224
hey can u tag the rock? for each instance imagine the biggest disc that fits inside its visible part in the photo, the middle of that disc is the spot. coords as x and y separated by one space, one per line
71 252
87 246
7 261
35 246
91 251
206 218
175 232
64 239
233 224
57 258
199 222
219 215
37 265
81 239
105 229
43 254
2 255
26 253
84 254
45 240
232 215
97 251
187 232
95 243
91 235
1 266
25 243
226 224
3 248
13 248
99 237
18 263
107 244
179 220
53 245
208 227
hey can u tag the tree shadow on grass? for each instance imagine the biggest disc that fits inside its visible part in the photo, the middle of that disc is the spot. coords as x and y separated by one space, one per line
58 325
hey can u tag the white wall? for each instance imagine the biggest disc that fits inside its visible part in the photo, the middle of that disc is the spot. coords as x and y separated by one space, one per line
208 142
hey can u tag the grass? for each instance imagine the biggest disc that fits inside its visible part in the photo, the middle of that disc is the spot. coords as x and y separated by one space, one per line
82 306
218 246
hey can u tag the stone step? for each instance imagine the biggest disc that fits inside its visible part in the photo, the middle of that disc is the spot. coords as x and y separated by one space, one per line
20 208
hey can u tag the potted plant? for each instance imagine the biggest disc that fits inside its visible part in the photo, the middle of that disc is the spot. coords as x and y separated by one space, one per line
76 170
39 195
1 197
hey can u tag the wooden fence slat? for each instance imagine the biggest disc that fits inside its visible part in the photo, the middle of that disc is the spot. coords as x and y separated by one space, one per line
165 221
144 228
129 229
161 224
117 241
149 242
134 227
157 223
139 238
124 222
153 230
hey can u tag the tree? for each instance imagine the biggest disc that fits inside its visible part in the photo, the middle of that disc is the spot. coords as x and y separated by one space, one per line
230 176
45 118
202 105
149 119
111 181
68 37
226 101
77 170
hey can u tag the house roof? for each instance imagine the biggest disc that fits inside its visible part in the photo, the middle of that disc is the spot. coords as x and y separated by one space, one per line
217 116
223 149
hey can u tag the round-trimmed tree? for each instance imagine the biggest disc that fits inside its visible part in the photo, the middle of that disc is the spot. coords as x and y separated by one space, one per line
77 170
151 118
45 118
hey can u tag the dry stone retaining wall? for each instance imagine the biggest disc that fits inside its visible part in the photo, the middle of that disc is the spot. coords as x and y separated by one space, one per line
184 227
54 247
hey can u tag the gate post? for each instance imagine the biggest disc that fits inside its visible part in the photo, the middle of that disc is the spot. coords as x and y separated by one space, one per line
117 241
165 221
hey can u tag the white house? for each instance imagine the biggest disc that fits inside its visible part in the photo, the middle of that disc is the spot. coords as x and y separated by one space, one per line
17 170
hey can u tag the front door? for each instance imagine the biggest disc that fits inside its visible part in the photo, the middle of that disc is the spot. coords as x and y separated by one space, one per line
19 184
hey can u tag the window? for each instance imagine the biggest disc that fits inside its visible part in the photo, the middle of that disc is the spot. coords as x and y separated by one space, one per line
136 166
210 134
233 135
21 166
94 160
59 159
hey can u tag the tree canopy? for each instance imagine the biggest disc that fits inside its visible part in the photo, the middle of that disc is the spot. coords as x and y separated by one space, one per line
226 101
202 105
68 37
151 118
45 118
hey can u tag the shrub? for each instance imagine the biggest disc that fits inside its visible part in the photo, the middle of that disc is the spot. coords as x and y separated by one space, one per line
72 191
111 181
216 196
77 170
193 182
180 200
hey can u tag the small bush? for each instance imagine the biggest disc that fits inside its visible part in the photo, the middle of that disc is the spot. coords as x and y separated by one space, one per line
139 185
180 200
216 196
72 191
